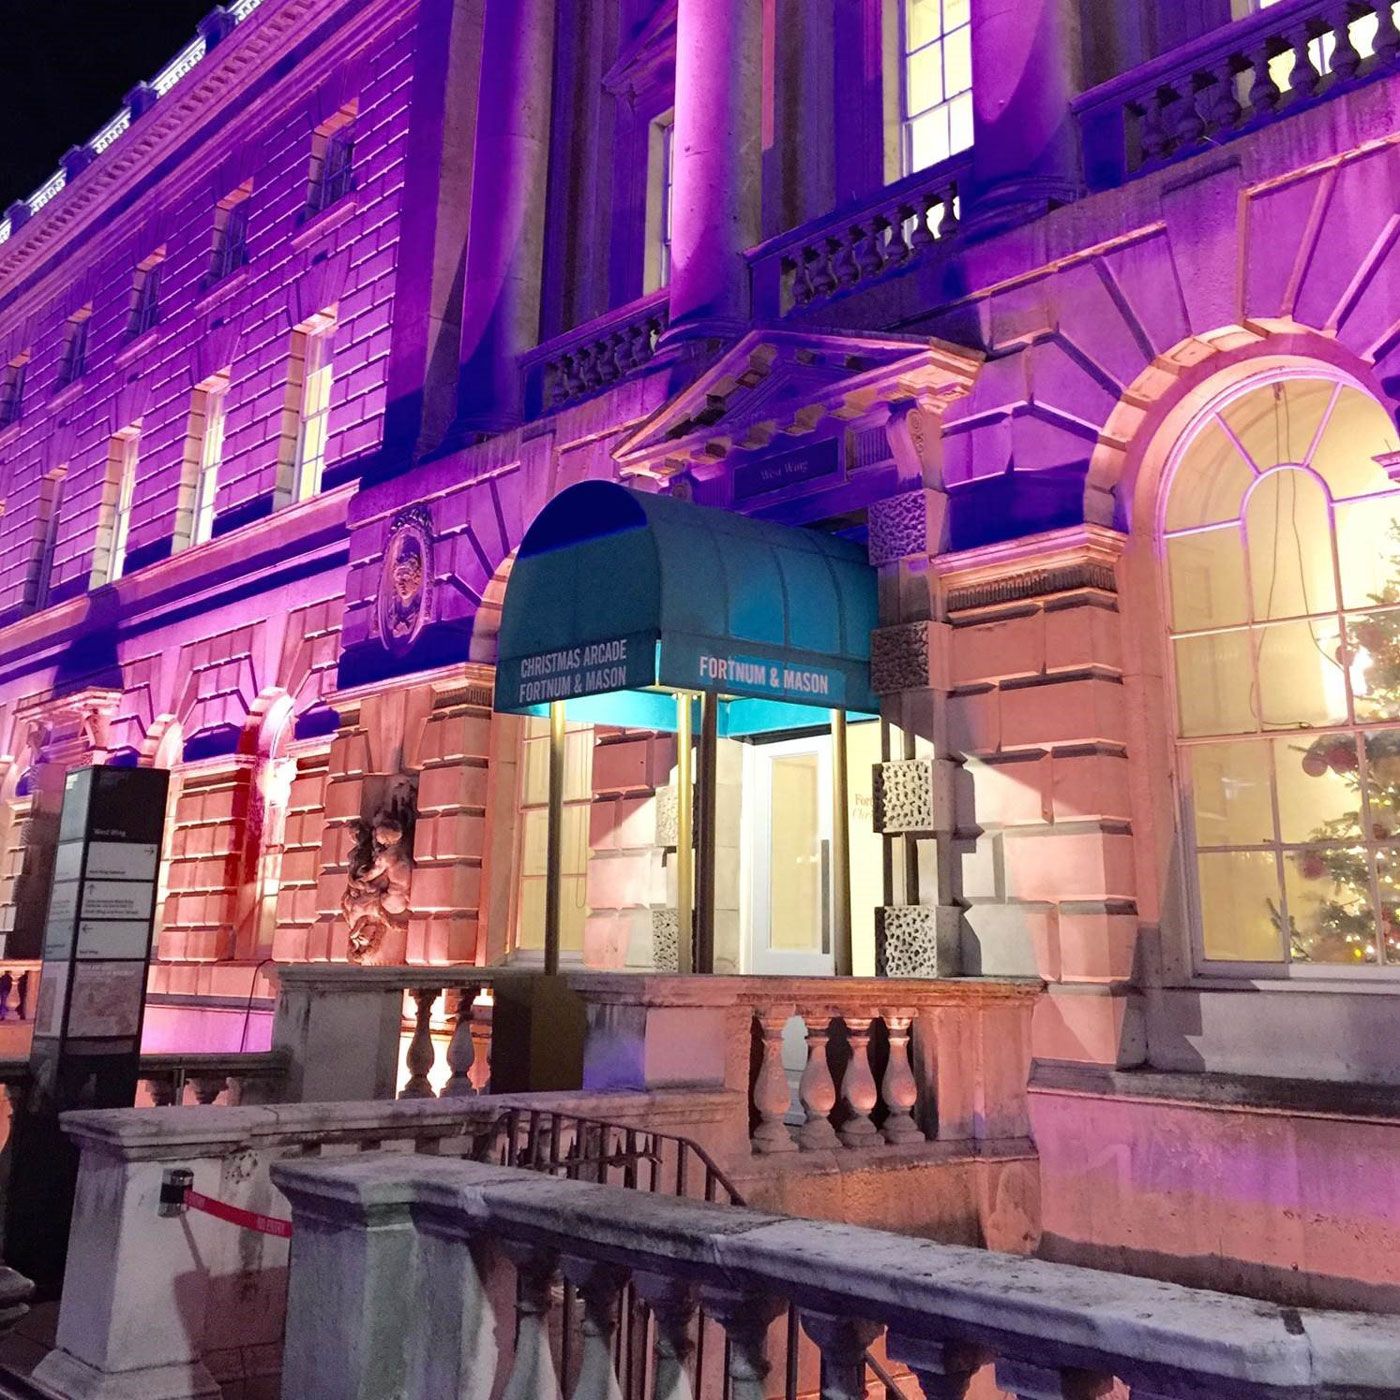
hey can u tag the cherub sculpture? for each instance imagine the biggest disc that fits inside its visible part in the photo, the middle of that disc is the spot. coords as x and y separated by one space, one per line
375 902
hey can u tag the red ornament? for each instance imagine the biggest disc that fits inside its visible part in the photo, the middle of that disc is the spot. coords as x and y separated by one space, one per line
1341 757
1369 635
1311 865
1315 761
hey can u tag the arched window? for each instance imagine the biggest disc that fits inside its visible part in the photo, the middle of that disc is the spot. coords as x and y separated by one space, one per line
1281 535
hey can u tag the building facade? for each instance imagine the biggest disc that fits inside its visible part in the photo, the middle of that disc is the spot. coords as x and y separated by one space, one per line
1077 320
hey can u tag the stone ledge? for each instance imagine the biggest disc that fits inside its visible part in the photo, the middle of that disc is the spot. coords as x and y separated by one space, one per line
883 1157
1308 1098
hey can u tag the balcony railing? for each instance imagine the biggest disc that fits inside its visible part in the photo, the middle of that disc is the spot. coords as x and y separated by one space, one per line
594 355
391 1252
902 226
1231 81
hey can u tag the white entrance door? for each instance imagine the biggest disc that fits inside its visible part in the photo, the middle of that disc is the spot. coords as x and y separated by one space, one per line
790 853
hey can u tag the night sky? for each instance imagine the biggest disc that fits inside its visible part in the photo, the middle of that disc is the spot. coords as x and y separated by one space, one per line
65 66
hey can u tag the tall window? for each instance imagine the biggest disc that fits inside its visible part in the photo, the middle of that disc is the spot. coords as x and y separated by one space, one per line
114 518
45 538
145 296
534 836
661 190
1281 535
332 161
72 362
204 453
309 384
230 233
936 73
12 390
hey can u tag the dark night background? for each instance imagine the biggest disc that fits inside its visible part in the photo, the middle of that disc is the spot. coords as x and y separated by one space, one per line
65 66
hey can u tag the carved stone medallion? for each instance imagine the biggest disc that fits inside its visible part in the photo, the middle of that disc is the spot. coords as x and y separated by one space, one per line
406 580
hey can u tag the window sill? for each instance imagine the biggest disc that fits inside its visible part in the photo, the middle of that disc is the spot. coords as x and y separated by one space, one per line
324 220
134 349
217 291
61 398
10 431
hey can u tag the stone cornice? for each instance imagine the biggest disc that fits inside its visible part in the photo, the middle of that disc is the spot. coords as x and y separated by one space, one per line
1081 556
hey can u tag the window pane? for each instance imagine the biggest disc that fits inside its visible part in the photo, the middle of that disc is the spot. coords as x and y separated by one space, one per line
1240 906
1290 547
921 23
960 122
1213 684
928 139
1368 549
1206 573
1373 661
925 79
1230 794
957 60
530 933
1319 789
536 786
1358 429
534 841
955 12
1329 905
1383 784
578 766
1388 879
1301 681
1278 422
1209 484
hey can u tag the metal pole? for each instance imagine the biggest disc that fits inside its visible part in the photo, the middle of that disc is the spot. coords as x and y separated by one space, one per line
705 845
554 838
886 846
685 834
843 958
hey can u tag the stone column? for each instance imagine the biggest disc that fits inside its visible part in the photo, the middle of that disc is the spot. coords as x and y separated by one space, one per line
719 61
1025 73
505 251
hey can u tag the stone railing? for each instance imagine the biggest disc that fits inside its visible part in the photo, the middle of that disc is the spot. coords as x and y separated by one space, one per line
220 22
861 243
243 1077
1233 80
19 989
432 1278
165 1307
594 355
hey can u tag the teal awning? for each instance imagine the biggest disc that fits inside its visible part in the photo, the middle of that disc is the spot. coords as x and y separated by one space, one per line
614 591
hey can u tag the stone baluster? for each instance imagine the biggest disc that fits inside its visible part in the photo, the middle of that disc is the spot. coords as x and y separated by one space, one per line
1345 60
532 1374
799 284
1224 101
22 986
898 1090
944 1369
1387 40
843 260
1264 94
208 1087
870 257
420 1054
9 985
481 1018
572 375
897 249
1187 126
858 1091
1303 78
949 224
598 1286
161 1089
817 1091
823 278
1027 1381
843 1342
461 1052
923 235
623 355
771 1096
1152 130
746 1318
672 1304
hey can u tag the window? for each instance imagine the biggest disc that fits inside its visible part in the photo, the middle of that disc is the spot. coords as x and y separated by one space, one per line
145 296
204 452
309 387
1281 537
72 362
660 201
45 538
114 518
12 390
332 157
534 836
230 233
936 81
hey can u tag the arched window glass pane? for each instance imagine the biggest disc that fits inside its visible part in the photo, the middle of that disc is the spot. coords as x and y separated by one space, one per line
1281 549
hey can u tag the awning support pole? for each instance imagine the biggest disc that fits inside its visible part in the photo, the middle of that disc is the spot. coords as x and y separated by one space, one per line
843 959
705 845
554 838
685 835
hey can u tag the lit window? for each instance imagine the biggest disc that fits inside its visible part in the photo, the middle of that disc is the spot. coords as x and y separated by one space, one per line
309 381
72 363
204 452
230 233
1281 536
145 296
661 147
114 519
936 44
534 836
12 390
332 161
45 539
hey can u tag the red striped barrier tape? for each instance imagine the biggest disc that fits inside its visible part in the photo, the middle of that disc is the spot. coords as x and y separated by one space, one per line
177 1195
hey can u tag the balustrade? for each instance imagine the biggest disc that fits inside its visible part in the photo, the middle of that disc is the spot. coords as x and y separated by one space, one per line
1233 80
172 1079
945 1318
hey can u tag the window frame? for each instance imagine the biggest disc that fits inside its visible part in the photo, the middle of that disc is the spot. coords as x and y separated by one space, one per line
212 410
315 378
1380 975
904 55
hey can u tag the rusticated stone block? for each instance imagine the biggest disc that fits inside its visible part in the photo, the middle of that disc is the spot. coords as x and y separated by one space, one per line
667 824
909 656
906 802
916 940
665 940
905 525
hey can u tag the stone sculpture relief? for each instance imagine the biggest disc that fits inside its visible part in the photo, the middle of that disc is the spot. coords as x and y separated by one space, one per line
375 902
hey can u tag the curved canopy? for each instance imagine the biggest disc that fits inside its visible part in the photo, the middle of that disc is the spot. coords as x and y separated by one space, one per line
614 590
